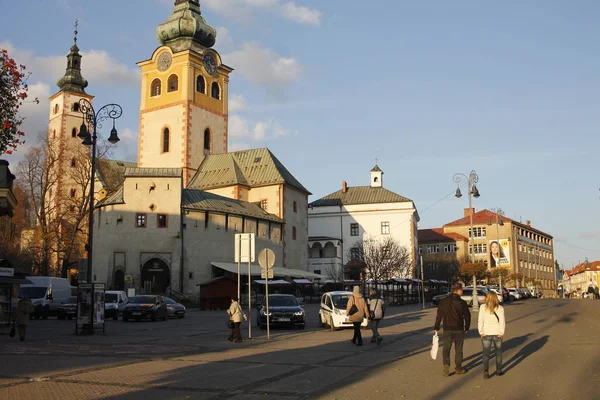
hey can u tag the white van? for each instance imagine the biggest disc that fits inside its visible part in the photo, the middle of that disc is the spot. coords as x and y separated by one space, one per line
114 303
333 311
46 294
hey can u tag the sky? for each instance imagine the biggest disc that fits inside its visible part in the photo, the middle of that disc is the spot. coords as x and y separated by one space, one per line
426 89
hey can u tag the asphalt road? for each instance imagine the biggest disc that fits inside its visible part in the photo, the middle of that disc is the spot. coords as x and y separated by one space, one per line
551 351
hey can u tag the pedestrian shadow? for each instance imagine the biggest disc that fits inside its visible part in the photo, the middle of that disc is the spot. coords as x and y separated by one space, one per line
476 359
525 352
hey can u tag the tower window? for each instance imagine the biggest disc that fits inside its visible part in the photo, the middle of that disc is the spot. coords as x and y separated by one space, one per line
165 141
200 84
54 134
56 109
74 132
376 179
73 163
173 83
293 233
73 192
216 91
75 107
155 88
207 141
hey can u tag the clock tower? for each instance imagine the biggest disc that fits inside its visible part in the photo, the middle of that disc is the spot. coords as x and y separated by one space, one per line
183 108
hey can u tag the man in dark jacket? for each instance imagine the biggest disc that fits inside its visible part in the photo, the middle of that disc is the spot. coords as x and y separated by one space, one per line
453 312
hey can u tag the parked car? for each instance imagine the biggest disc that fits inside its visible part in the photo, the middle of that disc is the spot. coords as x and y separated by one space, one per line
514 294
46 293
333 311
145 306
468 295
284 310
174 309
68 308
436 299
114 303
500 297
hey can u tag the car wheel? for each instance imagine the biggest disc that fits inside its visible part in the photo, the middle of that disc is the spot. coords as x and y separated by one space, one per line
331 327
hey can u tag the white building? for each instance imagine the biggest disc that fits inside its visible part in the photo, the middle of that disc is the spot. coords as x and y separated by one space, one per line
337 221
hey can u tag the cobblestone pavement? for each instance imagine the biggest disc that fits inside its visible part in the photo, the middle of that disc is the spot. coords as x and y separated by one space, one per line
550 352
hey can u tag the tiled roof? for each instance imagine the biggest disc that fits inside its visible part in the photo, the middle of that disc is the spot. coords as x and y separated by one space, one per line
111 173
359 195
376 169
484 217
113 198
586 266
204 201
153 172
437 235
254 168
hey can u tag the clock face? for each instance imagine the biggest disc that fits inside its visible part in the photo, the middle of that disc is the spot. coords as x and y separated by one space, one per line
210 64
164 61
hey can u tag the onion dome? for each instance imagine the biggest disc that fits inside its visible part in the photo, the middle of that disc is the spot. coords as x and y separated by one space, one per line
72 81
186 29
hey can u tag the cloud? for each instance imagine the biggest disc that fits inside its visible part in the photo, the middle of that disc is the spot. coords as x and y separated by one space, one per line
264 67
243 128
241 10
126 149
237 102
224 39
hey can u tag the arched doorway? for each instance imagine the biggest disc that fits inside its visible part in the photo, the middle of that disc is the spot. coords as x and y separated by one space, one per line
119 280
157 272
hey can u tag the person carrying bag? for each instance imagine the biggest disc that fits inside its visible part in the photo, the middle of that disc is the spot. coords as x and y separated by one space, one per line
235 320
376 314
357 311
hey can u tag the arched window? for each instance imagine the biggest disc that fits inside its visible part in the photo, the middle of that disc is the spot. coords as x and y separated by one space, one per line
73 163
216 91
173 83
200 84
74 132
155 88
165 142
207 141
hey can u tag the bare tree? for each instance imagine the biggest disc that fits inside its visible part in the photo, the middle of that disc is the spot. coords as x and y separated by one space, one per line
383 259
334 273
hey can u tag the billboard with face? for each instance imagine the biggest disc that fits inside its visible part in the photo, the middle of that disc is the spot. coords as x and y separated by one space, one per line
499 253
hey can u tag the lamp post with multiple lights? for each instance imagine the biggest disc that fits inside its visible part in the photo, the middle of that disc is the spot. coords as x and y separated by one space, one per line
470 181
94 119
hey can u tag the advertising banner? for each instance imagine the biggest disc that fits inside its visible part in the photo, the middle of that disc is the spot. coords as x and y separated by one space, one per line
499 253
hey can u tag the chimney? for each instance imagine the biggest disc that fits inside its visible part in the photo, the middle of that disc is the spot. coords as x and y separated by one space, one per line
469 211
528 223
344 187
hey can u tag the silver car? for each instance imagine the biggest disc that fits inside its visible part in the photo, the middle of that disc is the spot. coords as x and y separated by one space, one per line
468 295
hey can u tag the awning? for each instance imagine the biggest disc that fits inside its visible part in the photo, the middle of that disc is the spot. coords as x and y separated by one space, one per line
302 282
278 282
277 271
12 280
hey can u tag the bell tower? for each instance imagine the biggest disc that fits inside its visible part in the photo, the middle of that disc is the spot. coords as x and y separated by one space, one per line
184 96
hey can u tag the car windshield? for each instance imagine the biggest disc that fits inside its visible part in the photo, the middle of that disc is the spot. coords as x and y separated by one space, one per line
144 300
341 300
111 298
33 292
282 301
467 292
71 300
170 301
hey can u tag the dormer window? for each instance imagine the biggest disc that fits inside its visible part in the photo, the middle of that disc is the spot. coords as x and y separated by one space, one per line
173 83
216 91
200 84
155 88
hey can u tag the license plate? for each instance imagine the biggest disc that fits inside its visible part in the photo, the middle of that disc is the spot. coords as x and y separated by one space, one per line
136 313
284 319
179 312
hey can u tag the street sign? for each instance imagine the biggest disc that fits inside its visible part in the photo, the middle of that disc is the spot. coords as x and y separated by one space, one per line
266 259
7 272
244 247
266 273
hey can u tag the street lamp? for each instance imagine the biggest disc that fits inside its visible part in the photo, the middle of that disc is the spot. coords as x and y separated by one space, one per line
497 212
470 181
112 111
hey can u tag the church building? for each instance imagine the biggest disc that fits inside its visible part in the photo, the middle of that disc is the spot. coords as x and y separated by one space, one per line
169 220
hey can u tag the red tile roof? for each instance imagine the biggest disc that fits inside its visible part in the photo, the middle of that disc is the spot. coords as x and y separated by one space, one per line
486 216
437 235
586 266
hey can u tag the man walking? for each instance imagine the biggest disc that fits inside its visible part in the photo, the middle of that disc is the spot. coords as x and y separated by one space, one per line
453 313
24 309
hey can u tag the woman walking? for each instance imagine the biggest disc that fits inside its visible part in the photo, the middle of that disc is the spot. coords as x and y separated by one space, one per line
357 311
376 313
491 326
235 316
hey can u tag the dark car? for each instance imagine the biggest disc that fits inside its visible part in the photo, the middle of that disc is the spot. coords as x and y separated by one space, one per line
174 309
146 306
68 308
284 310
436 299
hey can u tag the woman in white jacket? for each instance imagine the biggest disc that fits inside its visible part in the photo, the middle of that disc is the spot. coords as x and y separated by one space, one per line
491 326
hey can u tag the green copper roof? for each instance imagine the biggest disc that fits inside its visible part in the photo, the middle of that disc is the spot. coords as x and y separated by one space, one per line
253 168
359 195
376 169
112 173
186 29
72 81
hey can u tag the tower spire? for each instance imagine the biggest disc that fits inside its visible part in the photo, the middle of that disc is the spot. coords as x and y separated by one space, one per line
72 81
186 28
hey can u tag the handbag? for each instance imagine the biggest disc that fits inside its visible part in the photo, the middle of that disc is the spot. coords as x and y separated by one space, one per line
372 312
353 309
230 324
12 331
435 345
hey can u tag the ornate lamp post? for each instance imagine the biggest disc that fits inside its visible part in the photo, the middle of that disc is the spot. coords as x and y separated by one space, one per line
470 181
498 213
94 119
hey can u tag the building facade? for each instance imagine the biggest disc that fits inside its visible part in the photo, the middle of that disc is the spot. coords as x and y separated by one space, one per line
580 277
441 253
338 221
500 242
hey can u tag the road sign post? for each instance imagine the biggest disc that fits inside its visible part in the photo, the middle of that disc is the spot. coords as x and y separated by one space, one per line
243 252
266 260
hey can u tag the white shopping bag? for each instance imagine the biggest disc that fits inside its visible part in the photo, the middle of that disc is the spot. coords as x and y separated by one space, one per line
435 344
